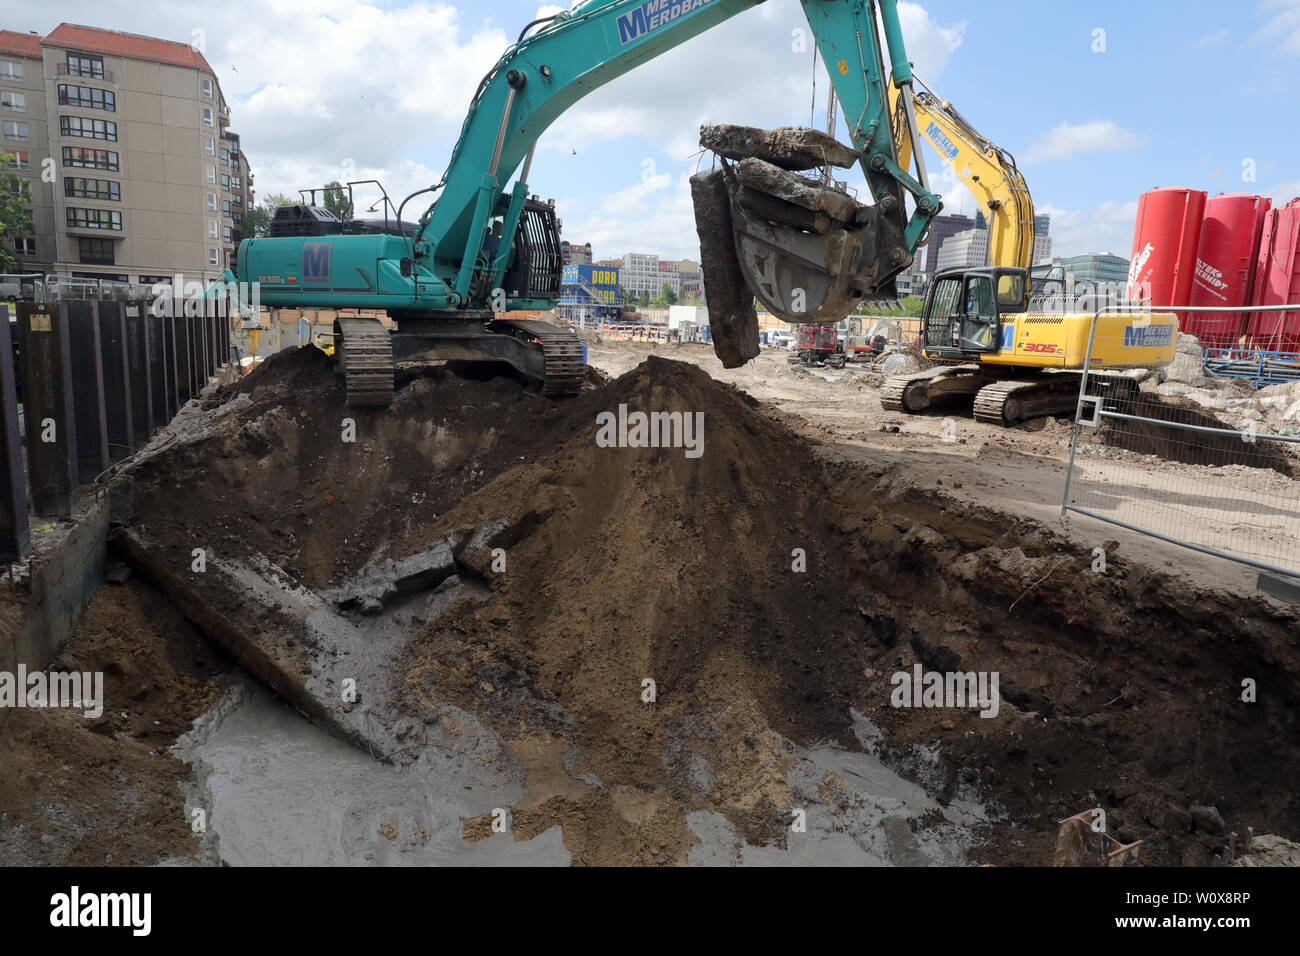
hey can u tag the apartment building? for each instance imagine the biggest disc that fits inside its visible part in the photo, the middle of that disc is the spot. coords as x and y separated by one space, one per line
573 254
125 140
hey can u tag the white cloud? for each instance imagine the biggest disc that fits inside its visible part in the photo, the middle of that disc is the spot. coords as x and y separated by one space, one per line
1217 38
1068 140
1284 192
1283 25
750 69
1107 228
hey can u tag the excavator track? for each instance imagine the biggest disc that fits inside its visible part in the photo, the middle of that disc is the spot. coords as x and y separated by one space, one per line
364 348
561 353
1011 401
899 393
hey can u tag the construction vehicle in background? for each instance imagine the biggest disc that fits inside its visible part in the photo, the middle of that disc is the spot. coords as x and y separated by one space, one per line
481 248
1012 362
818 345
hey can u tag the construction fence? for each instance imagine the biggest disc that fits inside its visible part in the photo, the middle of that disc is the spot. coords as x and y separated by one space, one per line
1237 495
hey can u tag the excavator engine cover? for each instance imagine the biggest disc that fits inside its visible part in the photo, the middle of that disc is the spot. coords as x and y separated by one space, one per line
809 252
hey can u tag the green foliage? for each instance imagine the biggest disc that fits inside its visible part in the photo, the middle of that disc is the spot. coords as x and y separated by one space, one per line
15 213
257 221
337 202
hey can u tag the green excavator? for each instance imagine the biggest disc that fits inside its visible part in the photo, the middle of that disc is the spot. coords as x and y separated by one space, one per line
807 250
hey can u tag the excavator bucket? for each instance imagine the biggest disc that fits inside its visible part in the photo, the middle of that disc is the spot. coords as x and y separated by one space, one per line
808 252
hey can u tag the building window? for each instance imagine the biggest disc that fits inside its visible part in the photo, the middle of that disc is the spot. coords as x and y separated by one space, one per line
206 83
225 207
214 257
209 145
87 97
13 101
227 235
26 246
79 188
96 252
212 174
9 70
20 159
90 158
212 229
225 182
238 217
235 183
92 128
236 200
89 66
94 219
212 201
225 155
15 130
207 116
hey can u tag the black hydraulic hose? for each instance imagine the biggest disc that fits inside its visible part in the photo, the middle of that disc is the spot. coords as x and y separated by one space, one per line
524 31
410 242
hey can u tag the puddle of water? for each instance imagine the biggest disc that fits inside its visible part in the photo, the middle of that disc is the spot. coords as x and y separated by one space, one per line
277 790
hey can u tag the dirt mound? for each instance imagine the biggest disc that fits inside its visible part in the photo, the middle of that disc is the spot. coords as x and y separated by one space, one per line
324 489
89 792
665 627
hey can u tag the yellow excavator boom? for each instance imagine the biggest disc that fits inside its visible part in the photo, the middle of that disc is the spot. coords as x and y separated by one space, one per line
986 169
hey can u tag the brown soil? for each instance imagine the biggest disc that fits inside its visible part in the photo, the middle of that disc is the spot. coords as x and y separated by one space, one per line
1120 690
90 792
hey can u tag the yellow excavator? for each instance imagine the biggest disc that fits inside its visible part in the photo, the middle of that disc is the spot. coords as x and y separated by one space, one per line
1017 364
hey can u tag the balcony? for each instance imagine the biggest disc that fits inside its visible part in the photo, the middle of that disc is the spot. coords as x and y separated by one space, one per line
105 76
223 116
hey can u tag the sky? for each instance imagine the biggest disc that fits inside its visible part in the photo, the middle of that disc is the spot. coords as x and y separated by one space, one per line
1098 102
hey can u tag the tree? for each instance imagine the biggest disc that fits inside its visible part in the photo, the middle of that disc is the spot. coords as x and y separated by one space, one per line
643 299
337 202
15 213
257 222
668 295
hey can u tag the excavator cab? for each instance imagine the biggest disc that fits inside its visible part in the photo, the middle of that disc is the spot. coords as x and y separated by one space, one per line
963 313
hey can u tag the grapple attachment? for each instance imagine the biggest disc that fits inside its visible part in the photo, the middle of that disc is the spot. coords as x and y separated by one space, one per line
809 252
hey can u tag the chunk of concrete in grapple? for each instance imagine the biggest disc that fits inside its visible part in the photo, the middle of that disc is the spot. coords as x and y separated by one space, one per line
764 177
733 320
789 147
779 210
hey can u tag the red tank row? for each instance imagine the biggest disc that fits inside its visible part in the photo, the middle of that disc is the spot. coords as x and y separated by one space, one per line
1230 250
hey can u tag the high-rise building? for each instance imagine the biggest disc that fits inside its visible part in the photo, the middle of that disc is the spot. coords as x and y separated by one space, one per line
125 140
1100 267
941 230
964 250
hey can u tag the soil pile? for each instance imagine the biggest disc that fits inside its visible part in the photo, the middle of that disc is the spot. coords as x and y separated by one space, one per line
667 630
90 792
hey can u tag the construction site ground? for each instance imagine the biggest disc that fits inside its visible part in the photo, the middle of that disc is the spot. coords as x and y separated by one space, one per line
647 678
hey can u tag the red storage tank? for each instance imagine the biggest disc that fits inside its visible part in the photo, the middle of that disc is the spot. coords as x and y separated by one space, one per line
1225 266
1277 281
1164 246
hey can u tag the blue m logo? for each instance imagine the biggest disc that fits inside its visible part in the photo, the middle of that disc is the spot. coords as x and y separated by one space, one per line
316 262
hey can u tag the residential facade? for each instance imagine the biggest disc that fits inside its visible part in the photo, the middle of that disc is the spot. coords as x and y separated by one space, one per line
125 140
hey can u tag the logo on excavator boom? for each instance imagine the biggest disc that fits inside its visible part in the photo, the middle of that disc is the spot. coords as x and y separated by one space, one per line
940 141
316 262
652 15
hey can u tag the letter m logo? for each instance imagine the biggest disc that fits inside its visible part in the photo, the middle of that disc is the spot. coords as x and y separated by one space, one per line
631 25
316 262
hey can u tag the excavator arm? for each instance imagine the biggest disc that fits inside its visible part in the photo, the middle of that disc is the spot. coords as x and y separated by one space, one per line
986 169
466 240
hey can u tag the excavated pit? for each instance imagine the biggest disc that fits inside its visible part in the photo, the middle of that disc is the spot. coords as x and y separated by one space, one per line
475 556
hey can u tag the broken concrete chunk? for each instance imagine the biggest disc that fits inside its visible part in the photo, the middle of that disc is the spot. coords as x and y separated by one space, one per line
762 177
789 147
733 320
775 209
